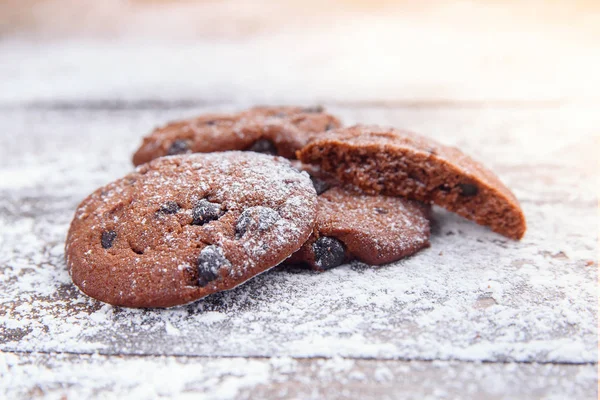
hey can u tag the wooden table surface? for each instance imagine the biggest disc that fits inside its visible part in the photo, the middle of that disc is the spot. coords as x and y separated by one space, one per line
475 316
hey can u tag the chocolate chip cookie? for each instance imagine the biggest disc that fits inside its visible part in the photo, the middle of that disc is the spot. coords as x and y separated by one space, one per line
272 130
350 224
400 163
182 227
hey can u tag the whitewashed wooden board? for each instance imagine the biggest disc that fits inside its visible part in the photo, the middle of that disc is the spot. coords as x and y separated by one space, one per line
475 316
97 376
472 297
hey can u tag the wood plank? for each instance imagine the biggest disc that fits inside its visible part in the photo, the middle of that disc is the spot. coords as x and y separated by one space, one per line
473 296
95 376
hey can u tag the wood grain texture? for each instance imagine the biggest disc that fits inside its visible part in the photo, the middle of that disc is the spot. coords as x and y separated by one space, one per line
474 296
475 316
70 376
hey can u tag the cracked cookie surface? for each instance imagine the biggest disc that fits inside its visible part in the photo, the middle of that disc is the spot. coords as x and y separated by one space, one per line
271 130
182 227
350 224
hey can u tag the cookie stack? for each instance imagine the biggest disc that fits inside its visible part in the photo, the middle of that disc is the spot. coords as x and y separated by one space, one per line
218 199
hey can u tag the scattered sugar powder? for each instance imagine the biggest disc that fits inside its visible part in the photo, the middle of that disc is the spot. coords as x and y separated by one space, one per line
136 377
473 296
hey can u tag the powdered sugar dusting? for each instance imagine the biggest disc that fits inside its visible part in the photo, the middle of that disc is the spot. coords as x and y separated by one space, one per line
95 376
168 210
270 130
374 228
473 295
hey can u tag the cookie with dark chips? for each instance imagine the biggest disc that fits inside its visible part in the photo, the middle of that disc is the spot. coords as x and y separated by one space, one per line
180 228
272 130
352 225
399 163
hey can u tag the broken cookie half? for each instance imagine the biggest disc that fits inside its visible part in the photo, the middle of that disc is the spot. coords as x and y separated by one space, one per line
392 162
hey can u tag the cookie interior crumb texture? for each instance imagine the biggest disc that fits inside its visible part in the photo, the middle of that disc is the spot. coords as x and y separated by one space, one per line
400 163
182 227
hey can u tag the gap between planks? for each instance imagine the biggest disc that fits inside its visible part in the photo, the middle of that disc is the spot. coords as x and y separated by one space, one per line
258 357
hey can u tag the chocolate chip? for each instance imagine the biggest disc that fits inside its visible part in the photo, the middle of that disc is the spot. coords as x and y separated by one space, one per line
264 146
108 238
257 218
467 189
380 210
415 177
329 126
329 252
242 225
313 109
205 211
210 261
211 122
179 146
320 185
444 188
170 207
